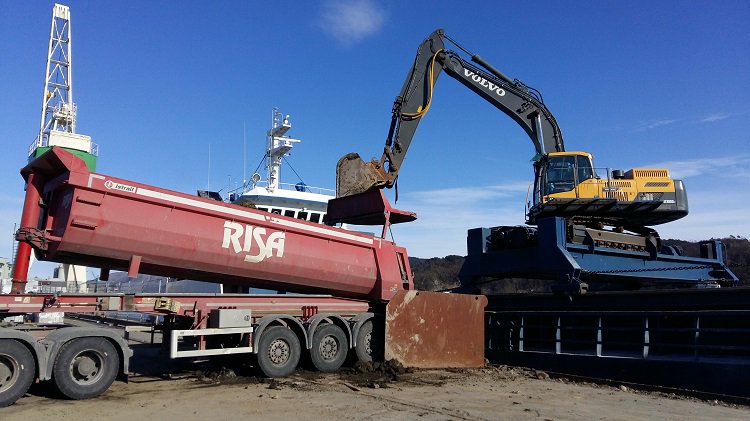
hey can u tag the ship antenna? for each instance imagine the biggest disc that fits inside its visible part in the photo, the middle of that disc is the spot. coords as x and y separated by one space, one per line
244 155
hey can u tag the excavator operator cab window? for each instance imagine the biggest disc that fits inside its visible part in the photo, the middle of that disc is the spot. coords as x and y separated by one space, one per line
560 174
584 168
565 172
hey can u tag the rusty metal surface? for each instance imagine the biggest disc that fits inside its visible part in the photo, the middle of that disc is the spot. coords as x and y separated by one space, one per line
435 330
354 176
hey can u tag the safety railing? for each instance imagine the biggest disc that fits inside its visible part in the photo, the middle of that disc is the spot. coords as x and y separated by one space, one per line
43 141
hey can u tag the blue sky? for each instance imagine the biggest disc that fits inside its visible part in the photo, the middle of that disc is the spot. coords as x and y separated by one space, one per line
636 83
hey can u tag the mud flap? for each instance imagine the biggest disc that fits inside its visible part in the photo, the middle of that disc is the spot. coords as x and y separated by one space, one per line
435 330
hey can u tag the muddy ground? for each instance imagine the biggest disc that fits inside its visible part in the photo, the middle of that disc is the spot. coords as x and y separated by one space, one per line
161 388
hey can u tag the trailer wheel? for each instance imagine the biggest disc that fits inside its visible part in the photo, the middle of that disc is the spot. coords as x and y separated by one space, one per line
16 371
329 348
278 352
369 343
85 367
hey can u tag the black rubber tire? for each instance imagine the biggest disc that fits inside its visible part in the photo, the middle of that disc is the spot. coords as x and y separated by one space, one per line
369 344
278 352
85 368
329 348
16 371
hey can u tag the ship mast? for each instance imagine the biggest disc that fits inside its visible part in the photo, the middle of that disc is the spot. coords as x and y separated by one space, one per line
277 147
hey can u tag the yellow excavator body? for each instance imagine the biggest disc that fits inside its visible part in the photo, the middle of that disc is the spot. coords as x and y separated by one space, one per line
571 186
631 185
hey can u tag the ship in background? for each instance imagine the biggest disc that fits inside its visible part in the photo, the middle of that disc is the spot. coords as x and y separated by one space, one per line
271 195
296 200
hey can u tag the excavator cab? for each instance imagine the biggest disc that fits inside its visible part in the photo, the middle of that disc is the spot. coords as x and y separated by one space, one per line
569 186
564 171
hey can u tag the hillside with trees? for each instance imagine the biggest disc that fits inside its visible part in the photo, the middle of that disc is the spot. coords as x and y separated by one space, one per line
441 273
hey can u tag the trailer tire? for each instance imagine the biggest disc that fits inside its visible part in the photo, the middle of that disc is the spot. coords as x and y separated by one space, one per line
279 352
85 367
369 343
329 348
16 371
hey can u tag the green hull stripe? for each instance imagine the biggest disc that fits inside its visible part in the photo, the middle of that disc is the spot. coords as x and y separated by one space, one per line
88 158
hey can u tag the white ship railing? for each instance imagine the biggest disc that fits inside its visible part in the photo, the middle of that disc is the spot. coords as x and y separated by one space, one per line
41 142
292 187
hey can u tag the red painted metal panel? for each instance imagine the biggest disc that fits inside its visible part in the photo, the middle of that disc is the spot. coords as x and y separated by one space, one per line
103 221
433 329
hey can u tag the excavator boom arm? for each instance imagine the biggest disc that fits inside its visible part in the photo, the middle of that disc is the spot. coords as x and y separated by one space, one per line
512 97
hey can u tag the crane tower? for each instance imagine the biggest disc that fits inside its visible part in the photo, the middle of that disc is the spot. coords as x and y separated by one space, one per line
58 122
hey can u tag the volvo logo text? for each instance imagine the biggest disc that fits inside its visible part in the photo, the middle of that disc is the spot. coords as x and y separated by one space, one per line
484 82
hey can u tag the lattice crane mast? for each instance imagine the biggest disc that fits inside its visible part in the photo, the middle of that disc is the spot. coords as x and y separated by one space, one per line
58 120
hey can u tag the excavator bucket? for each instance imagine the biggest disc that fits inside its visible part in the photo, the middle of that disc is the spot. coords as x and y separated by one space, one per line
435 330
353 175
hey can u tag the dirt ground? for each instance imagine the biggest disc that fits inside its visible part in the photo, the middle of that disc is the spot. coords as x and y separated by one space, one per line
160 388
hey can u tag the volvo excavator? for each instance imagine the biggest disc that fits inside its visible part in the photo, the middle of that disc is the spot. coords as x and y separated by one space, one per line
566 184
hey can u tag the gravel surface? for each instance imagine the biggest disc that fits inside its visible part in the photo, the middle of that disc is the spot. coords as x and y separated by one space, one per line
193 391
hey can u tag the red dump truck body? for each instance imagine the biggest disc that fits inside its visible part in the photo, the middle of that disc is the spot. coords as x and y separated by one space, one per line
97 220
367 307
